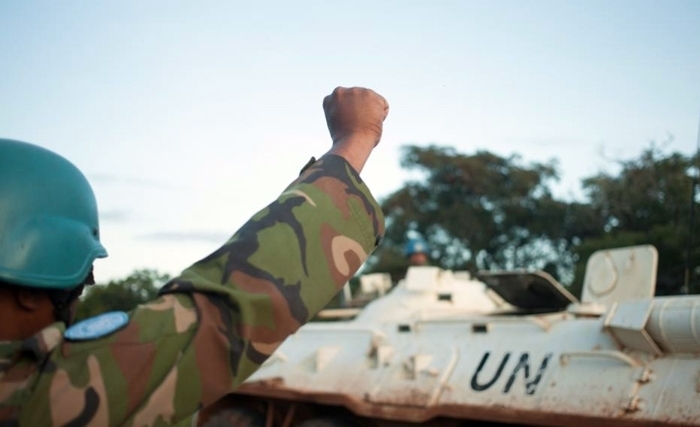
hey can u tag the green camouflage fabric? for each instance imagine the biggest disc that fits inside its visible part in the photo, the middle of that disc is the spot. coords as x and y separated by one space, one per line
212 326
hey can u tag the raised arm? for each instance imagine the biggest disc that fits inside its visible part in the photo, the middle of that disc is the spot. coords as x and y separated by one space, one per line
293 256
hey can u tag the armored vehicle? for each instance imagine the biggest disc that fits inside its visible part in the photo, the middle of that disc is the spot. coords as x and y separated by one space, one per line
511 348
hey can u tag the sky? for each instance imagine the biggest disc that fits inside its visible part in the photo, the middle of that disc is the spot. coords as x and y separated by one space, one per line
188 117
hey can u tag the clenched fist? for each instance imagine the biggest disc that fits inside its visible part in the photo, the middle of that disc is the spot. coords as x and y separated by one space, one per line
355 118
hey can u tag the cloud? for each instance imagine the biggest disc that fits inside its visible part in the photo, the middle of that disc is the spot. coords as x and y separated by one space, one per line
200 236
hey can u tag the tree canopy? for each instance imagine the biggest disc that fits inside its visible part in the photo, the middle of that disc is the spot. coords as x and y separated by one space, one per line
647 202
483 211
479 211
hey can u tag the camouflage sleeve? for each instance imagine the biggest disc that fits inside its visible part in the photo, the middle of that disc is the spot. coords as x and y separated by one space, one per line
278 271
216 323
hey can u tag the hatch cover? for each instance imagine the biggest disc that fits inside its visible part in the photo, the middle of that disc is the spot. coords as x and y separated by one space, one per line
529 290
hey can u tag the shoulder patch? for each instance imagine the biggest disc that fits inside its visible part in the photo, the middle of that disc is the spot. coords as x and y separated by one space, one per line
97 327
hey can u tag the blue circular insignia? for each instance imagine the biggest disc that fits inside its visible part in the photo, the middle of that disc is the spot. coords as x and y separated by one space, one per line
97 327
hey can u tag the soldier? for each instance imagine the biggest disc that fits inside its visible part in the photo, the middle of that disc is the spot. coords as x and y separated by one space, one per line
211 327
416 251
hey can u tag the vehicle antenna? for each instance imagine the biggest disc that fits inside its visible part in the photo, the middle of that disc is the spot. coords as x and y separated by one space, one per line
696 171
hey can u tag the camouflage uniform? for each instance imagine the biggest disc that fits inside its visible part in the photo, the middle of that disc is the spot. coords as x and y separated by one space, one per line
212 326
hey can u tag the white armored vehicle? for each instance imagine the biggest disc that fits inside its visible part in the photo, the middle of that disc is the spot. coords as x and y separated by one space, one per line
514 348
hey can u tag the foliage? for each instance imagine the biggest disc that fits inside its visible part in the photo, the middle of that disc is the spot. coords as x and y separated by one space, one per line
479 211
647 202
483 211
125 294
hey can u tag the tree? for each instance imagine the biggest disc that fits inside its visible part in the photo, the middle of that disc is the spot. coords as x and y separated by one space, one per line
480 211
647 202
139 287
484 211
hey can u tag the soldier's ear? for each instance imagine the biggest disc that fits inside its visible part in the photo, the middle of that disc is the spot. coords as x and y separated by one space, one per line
29 299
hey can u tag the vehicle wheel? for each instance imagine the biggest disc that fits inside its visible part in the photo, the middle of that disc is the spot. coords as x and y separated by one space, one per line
327 422
235 417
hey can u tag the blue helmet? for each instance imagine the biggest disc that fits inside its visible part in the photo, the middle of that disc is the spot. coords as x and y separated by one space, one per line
49 232
415 246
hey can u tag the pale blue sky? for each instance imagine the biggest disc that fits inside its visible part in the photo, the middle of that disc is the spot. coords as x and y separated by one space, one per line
189 116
